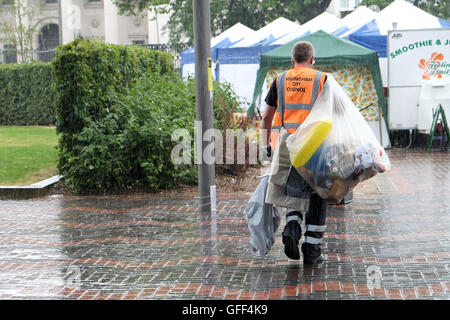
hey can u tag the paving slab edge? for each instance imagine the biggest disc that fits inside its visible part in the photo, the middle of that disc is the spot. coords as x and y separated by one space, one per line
38 189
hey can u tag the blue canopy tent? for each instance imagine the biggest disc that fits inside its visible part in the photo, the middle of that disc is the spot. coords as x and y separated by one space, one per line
188 57
226 39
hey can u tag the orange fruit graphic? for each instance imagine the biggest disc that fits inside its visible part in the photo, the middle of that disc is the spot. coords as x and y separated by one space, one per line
436 58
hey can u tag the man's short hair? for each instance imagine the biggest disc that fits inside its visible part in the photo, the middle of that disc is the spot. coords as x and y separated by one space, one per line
302 51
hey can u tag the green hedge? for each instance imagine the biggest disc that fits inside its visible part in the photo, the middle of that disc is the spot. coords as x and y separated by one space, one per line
98 148
90 76
26 94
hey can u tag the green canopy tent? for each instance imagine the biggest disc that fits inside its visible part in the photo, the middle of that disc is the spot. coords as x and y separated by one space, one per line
356 68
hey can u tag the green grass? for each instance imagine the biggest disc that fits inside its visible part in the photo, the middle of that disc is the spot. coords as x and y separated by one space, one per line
27 154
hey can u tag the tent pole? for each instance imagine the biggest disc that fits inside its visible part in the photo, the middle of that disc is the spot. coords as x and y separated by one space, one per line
381 126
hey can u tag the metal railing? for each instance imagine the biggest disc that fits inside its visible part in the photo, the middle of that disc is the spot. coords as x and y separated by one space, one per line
12 56
166 48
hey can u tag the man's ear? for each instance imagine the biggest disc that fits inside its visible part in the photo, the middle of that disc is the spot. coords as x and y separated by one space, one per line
311 61
293 62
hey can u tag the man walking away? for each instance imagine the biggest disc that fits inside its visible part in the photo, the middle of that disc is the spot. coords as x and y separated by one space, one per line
299 87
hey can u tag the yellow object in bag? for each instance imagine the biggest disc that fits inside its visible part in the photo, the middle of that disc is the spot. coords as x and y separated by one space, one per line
313 139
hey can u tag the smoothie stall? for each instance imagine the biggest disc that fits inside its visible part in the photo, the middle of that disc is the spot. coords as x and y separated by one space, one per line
418 77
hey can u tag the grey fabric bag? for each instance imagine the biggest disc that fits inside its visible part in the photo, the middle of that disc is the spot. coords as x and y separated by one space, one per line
263 220
279 172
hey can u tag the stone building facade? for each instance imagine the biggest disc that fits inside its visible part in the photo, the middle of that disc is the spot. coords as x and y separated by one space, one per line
88 19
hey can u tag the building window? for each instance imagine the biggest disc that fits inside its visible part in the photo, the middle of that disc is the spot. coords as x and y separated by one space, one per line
51 1
138 41
49 37
6 2
93 4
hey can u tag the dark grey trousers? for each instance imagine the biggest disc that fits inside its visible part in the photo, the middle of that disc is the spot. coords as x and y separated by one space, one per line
315 217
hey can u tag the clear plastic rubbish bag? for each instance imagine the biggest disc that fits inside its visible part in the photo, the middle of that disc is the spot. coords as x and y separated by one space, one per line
335 149
263 220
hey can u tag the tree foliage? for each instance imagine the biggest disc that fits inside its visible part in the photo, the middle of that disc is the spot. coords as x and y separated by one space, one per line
19 27
224 14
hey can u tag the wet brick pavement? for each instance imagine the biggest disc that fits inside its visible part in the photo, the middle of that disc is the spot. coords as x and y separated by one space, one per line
392 242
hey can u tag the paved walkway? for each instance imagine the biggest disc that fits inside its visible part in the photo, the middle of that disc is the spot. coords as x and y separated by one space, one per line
392 242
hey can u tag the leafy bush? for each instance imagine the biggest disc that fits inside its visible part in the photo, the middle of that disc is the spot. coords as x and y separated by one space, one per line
26 94
225 103
131 146
117 109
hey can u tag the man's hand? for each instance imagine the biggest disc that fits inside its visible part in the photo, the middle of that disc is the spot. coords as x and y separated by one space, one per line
265 152
269 151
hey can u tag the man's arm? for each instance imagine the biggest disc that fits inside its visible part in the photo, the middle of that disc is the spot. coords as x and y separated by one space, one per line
271 102
266 124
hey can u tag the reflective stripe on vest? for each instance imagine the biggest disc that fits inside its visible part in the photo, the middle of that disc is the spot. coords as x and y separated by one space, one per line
295 112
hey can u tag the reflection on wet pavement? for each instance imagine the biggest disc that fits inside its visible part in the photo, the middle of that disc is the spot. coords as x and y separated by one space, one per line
392 242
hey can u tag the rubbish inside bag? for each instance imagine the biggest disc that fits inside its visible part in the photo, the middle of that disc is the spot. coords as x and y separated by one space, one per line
337 169
312 141
348 153
263 220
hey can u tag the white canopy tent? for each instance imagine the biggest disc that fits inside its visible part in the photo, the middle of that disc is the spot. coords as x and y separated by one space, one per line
355 20
324 21
406 15
268 33
234 33
225 39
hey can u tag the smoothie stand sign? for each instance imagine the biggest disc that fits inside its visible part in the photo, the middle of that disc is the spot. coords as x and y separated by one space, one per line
416 56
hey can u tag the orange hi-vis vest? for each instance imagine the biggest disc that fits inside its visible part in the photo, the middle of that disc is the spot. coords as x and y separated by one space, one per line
297 90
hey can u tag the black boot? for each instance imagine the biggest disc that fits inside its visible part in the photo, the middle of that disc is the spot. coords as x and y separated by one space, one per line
315 227
291 234
311 253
